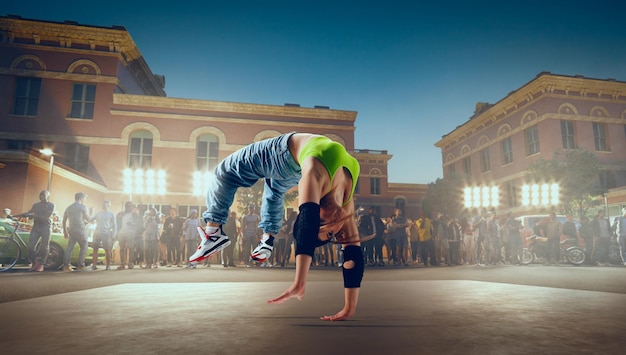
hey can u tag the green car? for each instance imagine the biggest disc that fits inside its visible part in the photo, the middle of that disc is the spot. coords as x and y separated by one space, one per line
58 245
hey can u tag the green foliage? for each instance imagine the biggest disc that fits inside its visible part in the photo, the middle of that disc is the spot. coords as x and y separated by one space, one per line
444 196
576 172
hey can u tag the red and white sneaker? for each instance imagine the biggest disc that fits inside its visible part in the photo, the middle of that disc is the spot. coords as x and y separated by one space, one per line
263 251
210 244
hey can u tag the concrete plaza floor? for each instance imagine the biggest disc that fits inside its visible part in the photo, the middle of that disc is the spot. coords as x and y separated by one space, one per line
393 317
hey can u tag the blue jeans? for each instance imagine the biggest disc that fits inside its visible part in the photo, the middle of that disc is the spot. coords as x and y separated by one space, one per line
80 239
39 253
268 159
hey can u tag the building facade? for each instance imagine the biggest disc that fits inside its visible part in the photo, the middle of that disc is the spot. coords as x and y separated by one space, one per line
551 113
86 93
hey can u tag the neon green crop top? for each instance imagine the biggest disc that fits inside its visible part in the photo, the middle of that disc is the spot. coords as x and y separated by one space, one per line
333 156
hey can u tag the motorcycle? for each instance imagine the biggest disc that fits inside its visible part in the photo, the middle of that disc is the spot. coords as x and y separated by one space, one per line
537 248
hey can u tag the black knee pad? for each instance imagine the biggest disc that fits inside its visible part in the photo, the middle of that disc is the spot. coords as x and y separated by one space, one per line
306 228
352 277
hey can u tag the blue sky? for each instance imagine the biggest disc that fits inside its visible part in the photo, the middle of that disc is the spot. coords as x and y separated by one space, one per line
412 71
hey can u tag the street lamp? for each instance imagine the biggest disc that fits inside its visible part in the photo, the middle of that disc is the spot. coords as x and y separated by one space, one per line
49 153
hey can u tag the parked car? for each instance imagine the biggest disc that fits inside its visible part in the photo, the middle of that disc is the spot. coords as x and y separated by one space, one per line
58 245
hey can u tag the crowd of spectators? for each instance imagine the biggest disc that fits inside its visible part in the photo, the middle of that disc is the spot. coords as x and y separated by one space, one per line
152 240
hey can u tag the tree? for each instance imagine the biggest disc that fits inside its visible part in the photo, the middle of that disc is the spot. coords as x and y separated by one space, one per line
576 171
445 196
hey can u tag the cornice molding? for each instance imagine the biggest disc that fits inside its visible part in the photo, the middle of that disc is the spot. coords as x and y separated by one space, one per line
215 119
68 34
61 76
155 102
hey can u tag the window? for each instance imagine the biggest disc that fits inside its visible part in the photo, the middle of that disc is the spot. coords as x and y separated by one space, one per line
467 166
140 150
19 144
567 135
484 160
600 137
83 99
185 210
532 140
207 150
607 179
76 156
375 186
401 204
26 96
451 170
507 151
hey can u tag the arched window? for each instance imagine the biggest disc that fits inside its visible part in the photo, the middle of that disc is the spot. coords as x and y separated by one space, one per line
207 149
140 150
400 204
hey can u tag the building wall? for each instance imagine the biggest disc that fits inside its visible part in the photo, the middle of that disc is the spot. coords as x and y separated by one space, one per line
130 98
543 103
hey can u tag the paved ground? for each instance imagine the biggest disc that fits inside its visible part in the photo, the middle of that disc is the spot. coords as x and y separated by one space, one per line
447 310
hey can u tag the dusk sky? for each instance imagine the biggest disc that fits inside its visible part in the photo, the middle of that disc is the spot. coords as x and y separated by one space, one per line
412 71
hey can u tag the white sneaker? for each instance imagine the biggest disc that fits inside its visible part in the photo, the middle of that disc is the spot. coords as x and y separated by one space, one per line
263 251
211 243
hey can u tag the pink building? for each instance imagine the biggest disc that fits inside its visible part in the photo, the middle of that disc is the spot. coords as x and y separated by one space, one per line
550 113
86 93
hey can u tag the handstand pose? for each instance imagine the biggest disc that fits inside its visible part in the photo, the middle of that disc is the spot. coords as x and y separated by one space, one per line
326 176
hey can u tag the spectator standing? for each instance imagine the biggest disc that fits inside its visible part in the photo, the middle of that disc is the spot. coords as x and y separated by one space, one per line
587 236
41 212
106 229
442 244
249 231
621 234
137 250
151 238
129 225
512 226
481 241
414 242
427 244
601 231
454 240
173 230
291 220
230 228
553 230
280 243
390 244
569 229
494 243
74 220
371 224
468 253
400 224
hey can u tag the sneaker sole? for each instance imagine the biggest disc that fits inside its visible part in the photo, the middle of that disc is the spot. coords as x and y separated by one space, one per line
212 251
